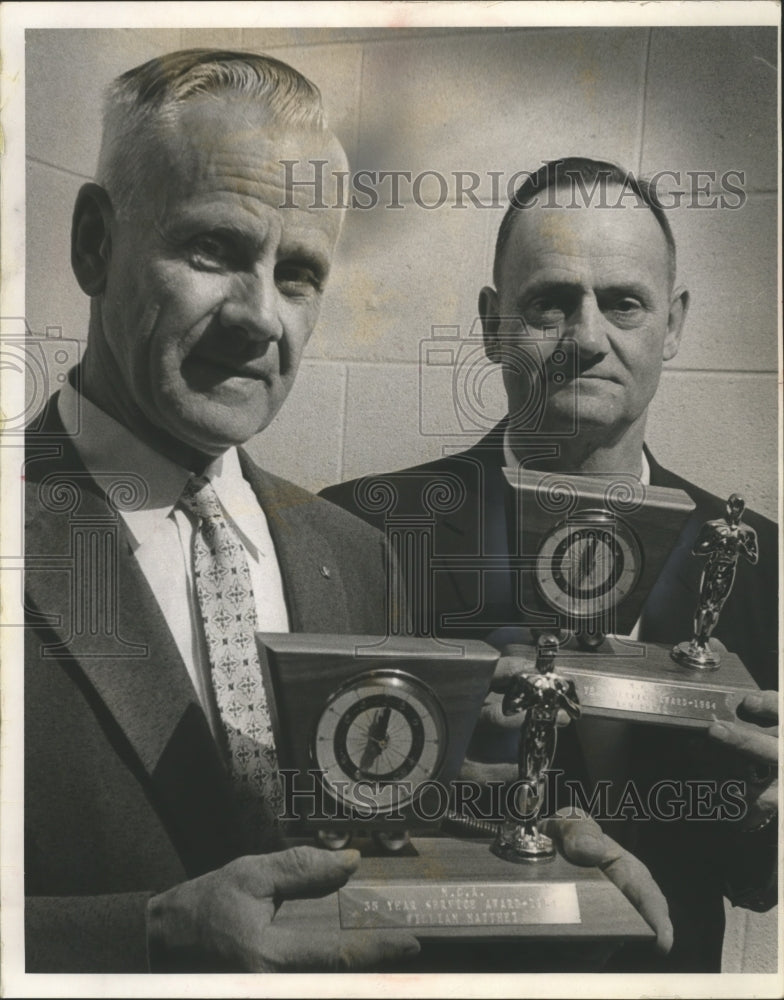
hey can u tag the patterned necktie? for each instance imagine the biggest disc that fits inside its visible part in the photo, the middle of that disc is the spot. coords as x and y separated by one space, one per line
228 612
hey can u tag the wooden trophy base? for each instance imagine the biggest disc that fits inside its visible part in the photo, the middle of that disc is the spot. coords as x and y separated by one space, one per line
457 892
644 683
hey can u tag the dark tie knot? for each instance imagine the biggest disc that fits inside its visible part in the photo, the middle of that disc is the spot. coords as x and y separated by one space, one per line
200 498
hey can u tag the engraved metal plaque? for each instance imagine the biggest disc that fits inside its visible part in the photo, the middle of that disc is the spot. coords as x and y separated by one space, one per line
461 904
653 688
446 889
650 697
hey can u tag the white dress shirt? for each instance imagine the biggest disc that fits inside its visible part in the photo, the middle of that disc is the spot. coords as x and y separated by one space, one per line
511 460
161 531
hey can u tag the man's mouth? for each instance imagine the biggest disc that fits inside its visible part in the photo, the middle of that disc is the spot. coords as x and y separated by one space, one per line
213 369
596 377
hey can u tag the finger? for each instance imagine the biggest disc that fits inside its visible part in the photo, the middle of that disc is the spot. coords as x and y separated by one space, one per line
306 871
751 741
509 666
286 949
583 843
762 810
762 706
637 884
492 715
768 800
579 838
473 770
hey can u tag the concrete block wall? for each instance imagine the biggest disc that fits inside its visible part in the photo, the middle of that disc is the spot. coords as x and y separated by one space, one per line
474 100
477 100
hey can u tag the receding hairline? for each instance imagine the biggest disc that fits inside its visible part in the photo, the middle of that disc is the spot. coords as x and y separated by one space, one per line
557 174
519 218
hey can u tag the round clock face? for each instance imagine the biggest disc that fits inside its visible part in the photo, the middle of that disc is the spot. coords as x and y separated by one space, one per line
378 739
588 564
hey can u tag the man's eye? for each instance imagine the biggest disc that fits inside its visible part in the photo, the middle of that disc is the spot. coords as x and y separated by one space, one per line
545 312
297 279
627 305
627 309
211 250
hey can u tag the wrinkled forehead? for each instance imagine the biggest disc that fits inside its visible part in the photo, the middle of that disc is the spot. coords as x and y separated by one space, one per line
226 147
616 233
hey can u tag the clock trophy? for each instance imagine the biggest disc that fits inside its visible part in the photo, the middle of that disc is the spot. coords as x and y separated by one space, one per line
592 549
370 733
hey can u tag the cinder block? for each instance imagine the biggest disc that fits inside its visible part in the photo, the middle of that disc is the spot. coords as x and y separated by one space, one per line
304 441
728 260
67 71
211 38
503 102
399 272
53 298
711 102
383 421
335 69
272 37
760 952
263 39
734 937
719 430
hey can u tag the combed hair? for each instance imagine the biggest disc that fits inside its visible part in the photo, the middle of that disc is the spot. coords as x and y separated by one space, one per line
563 172
151 95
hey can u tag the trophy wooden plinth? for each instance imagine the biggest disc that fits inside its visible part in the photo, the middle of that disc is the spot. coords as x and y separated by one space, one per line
643 683
457 890
379 726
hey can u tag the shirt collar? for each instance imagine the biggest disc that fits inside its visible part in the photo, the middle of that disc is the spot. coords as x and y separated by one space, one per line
110 451
510 459
236 497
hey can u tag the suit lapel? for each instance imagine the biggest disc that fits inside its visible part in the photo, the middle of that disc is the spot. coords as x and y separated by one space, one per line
314 590
476 530
130 660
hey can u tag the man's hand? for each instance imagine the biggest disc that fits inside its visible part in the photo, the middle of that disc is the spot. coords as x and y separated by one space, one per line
222 921
757 742
580 839
492 753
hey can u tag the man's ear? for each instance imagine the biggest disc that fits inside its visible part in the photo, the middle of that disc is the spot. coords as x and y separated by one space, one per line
91 238
679 306
488 310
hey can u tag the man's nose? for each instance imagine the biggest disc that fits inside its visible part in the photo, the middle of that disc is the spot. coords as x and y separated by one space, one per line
588 328
252 304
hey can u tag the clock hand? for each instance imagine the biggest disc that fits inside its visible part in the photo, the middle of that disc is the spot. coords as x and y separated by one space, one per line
376 737
382 719
369 755
587 559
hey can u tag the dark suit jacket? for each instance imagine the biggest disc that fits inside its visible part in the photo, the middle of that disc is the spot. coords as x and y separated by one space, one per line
468 519
125 791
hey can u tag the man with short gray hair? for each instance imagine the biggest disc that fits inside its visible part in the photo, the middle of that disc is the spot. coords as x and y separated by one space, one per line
151 783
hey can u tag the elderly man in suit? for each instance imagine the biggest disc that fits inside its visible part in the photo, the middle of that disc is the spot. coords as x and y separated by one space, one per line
156 549
585 282
150 765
